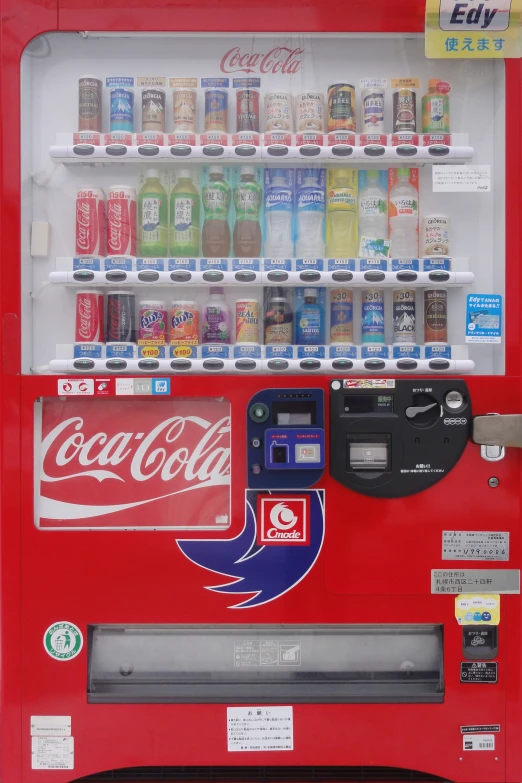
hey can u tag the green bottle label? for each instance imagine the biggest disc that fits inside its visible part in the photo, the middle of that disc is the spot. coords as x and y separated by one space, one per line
247 201
216 200
184 218
153 226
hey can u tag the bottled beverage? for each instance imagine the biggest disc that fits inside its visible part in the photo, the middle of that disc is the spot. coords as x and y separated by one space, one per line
404 239
216 203
341 211
435 315
247 321
310 216
216 317
184 217
435 235
309 320
247 201
279 319
404 196
152 216
278 214
373 210
435 109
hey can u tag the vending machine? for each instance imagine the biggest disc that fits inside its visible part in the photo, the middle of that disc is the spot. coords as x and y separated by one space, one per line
261 394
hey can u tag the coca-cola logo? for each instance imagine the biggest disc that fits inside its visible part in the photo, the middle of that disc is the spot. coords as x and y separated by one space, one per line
86 224
87 317
280 59
110 460
118 225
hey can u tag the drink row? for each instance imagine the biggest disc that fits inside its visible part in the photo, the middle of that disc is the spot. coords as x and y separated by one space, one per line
290 317
343 213
306 112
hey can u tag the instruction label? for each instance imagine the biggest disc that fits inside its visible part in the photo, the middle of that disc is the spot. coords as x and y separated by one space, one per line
260 728
474 545
52 753
461 179
267 652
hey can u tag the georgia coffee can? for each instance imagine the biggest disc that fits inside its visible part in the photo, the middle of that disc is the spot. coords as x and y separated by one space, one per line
89 104
278 112
121 320
247 110
216 110
404 315
122 109
309 112
435 315
121 221
152 323
90 222
153 109
184 102
372 322
89 317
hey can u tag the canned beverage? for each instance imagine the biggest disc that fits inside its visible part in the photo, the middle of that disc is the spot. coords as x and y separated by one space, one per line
435 315
89 317
184 102
121 221
152 323
89 104
372 315
404 110
90 222
153 109
247 110
247 321
373 110
279 321
404 315
122 109
121 320
435 235
341 315
216 110
184 322
341 107
278 112
309 112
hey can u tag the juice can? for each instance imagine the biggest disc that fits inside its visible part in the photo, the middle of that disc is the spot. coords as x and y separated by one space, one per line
89 104
309 112
184 322
373 110
216 110
247 321
435 315
153 109
404 110
184 104
122 109
372 315
152 323
341 107
247 110
341 315
278 112
404 315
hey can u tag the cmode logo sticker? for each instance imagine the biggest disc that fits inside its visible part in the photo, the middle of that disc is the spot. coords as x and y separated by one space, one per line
283 520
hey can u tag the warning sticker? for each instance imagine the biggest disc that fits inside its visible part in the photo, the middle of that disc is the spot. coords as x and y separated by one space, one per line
478 671
267 652
480 729
52 753
478 742
260 728
474 545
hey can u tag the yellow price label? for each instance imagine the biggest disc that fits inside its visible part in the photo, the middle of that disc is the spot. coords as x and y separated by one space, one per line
473 29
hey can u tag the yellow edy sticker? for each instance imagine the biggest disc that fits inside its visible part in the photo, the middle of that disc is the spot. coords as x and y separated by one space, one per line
477 609
473 29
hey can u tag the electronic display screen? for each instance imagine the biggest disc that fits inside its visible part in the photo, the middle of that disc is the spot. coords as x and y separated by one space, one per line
368 403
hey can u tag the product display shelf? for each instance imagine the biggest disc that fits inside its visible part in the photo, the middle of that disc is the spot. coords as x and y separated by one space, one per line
427 271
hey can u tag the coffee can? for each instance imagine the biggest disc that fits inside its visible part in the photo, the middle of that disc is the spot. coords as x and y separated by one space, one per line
341 107
309 112
153 109
372 325
404 315
404 110
216 110
373 110
341 315
435 315
184 111
278 112
89 104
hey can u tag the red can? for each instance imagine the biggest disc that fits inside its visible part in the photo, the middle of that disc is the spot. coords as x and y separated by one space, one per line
89 317
90 222
121 221
247 105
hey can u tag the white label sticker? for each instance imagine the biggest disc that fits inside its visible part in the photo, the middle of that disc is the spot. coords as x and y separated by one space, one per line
461 179
374 82
50 725
474 545
267 652
478 742
124 386
260 728
52 753
75 386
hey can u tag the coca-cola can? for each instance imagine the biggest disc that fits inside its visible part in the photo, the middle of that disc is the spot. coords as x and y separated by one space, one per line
89 317
121 317
90 222
121 221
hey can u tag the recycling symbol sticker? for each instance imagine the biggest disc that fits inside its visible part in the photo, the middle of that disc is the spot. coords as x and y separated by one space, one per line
63 641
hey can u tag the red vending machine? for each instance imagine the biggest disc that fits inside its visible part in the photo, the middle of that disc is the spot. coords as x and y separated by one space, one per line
261 294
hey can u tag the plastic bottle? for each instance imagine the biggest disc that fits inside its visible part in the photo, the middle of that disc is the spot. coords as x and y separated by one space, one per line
341 211
435 109
404 196
247 201
184 217
278 215
216 317
310 200
279 319
404 236
216 203
309 320
152 216
373 211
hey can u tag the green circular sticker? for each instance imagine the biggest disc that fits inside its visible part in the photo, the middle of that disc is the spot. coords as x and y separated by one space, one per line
63 641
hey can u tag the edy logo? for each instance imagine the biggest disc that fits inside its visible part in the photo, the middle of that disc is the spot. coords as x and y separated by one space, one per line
472 15
283 520
281 59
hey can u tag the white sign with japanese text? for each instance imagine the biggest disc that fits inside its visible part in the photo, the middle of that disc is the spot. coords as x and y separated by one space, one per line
260 728
476 580
461 179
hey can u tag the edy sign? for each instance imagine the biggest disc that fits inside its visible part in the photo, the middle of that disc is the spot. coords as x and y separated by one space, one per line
473 28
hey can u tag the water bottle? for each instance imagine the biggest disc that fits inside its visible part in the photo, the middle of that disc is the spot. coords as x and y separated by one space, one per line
278 214
310 201
373 210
